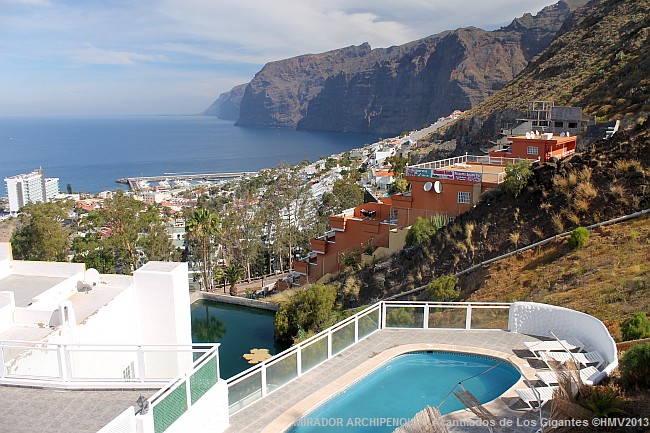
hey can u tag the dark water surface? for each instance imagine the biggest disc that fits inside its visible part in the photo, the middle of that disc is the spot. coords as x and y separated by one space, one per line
239 329
91 153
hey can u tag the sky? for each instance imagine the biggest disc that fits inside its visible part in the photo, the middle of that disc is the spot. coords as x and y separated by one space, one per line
131 57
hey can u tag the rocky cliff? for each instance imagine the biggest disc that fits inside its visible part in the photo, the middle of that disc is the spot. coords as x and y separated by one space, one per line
226 106
390 90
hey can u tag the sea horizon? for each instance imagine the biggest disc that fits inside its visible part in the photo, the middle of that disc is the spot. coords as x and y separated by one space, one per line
91 152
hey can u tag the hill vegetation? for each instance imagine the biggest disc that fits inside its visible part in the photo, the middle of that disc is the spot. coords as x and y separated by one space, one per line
599 61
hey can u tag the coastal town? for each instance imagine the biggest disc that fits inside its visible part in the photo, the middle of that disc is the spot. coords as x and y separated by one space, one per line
174 259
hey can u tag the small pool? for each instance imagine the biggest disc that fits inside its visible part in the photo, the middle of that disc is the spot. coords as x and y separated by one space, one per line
395 392
239 329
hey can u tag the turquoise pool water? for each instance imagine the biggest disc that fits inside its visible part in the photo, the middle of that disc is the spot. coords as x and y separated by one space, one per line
395 392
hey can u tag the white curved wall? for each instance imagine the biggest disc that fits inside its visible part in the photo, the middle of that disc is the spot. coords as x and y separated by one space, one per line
545 320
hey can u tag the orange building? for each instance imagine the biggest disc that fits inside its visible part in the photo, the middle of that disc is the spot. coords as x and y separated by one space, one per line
449 186
542 147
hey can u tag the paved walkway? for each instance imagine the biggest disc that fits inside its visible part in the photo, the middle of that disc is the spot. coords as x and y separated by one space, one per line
31 410
285 404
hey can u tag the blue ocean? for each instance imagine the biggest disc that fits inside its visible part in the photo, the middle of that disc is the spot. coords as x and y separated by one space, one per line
91 153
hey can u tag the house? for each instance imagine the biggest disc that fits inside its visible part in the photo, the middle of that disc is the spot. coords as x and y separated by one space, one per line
449 186
63 326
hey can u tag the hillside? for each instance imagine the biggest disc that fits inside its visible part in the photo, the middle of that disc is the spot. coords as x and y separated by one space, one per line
599 61
611 179
390 90
608 278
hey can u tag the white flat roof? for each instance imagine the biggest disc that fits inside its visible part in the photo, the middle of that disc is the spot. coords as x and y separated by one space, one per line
26 287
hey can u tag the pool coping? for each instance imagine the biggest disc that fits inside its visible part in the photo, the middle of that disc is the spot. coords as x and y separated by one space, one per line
288 418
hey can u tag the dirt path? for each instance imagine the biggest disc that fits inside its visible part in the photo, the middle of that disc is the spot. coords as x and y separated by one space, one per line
6 229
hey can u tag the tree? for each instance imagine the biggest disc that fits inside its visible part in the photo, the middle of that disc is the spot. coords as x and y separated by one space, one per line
232 274
204 226
398 165
41 235
425 228
120 214
517 176
311 310
347 194
94 252
400 185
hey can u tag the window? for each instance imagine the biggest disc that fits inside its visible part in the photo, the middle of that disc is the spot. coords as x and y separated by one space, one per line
573 125
463 197
559 124
531 150
128 371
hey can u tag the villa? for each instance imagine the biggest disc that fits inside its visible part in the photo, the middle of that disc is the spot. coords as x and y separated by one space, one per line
88 352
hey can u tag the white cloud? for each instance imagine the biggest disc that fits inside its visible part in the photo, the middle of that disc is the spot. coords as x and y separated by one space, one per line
90 54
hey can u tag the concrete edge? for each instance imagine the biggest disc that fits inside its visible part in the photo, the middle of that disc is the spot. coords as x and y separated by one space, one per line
235 300
289 417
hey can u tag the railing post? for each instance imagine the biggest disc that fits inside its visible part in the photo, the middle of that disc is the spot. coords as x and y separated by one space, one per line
299 361
468 317
141 367
63 359
425 325
2 362
263 377
216 356
383 316
188 391
356 329
329 343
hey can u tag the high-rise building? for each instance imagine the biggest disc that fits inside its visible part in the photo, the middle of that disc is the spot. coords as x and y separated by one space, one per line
30 188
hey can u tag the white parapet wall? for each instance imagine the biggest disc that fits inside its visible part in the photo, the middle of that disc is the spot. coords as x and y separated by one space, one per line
549 321
7 308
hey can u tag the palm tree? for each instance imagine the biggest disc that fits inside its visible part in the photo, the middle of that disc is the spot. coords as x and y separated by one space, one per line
203 225
233 273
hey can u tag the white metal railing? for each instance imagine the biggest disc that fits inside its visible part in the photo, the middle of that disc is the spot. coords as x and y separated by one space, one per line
463 159
63 365
264 378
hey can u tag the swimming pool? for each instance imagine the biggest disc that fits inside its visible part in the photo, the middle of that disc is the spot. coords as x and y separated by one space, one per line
396 391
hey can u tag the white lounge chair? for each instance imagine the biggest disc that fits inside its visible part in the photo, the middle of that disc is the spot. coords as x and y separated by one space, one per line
587 375
554 346
543 395
580 358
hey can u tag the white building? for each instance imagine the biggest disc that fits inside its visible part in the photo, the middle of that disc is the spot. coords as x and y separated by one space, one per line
66 327
30 188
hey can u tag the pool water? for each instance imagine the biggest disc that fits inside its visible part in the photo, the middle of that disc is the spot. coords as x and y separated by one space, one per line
398 390
238 328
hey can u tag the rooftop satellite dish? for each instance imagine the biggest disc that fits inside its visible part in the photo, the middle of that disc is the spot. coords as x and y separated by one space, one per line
92 277
428 186
536 133
562 134
528 137
568 134
437 186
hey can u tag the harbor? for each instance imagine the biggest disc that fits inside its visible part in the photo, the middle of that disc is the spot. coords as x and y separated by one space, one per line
137 183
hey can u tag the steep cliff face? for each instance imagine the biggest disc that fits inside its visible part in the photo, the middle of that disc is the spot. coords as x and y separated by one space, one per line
226 106
390 90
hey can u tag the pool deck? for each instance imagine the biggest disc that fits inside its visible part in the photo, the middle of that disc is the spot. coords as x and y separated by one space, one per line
281 409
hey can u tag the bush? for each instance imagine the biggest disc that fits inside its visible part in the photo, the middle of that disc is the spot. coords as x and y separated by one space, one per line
443 288
579 237
635 366
311 309
603 401
636 327
517 176
425 228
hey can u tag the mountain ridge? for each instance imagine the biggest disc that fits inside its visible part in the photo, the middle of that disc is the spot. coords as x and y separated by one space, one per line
390 90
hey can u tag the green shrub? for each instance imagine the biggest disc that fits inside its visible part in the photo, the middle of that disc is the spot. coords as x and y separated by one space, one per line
443 288
311 309
635 366
579 237
603 401
425 228
636 327
517 176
